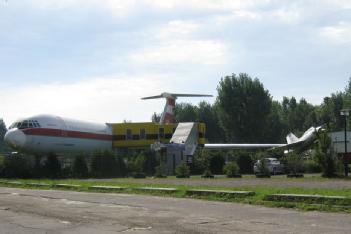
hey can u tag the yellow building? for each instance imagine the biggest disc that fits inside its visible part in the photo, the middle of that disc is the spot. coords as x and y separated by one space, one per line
142 135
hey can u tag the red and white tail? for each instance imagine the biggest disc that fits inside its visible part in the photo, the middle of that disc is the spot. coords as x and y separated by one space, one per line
167 116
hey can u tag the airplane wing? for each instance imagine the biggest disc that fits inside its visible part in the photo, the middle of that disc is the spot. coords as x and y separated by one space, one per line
242 146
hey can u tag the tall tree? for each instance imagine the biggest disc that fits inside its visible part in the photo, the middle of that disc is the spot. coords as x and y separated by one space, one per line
244 106
3 130
207 114
330 111
185 112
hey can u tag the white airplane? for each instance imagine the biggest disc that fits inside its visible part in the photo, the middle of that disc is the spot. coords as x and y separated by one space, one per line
293 142
48 133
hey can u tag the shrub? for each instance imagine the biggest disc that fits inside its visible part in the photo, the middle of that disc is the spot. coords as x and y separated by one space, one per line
310 166
52 166
245 162
217 162
199 163
324 156
295 164
16 166
207 174
182 171
104 164
150 162
263 168
231 169
80 168
159 172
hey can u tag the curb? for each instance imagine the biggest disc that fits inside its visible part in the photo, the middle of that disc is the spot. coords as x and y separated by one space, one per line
199 192
306 197
106 188
152 189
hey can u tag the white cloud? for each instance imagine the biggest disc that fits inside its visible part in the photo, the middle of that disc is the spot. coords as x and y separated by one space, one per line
100 99
124 7
176 29
338 34
290 15
183 51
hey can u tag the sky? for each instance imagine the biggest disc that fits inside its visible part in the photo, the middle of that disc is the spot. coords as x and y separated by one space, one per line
94 59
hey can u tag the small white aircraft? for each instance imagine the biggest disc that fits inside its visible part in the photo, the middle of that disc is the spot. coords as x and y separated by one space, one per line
48 133
293 142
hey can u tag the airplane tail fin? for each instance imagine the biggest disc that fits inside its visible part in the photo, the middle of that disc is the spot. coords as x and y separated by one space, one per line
167 116
291 138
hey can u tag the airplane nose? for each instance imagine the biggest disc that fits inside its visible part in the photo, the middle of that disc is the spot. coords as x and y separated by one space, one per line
15 138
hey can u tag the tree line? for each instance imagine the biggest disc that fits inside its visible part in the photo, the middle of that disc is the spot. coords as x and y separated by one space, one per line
245 112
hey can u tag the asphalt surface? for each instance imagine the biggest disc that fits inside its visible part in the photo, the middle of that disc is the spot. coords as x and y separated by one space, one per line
50 211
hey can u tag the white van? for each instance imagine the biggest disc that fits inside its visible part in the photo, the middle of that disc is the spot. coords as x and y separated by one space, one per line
274 166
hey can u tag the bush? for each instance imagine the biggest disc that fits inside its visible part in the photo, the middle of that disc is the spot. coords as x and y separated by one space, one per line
80 168
324 156
16 166
207 174
231 169
136 165
150 162
245 163
159 172
310 166
295 164
263 170
182 171
52 167
217 162
104 165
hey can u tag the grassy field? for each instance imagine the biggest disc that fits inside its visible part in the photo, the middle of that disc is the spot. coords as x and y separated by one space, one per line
258 199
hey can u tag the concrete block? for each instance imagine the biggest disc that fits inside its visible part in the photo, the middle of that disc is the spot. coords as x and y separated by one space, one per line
201 192
106 188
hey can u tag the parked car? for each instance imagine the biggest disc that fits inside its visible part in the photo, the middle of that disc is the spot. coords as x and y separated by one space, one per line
274 166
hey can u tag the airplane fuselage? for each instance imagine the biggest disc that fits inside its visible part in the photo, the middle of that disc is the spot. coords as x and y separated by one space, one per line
48 133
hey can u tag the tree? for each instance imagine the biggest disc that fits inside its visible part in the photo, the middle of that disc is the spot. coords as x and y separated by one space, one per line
156 118
330 111
295 163
16 166
276 126
231 169
324 156
208 114
182 171
3 130
52 166
80 168
244 106
185 112
104 164
244 161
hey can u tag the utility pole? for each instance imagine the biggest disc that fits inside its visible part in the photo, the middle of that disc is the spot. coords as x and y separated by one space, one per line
345 113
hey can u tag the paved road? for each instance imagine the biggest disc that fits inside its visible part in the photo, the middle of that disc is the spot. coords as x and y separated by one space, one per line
40 211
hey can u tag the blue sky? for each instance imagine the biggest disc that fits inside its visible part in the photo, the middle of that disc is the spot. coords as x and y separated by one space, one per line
94 59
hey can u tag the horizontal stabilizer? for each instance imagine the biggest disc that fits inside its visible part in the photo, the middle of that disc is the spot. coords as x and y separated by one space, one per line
175 95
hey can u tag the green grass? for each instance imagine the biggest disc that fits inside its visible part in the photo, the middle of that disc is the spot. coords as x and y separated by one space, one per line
257 199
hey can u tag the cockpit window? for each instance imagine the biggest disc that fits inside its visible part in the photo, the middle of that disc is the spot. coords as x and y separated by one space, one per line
25 124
